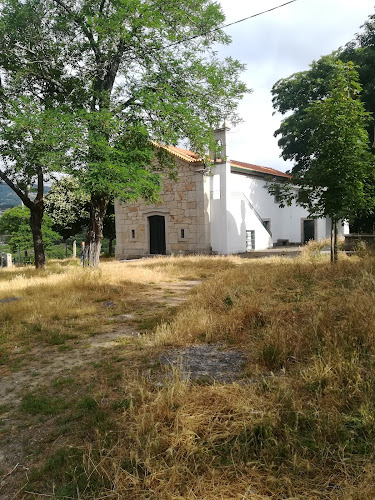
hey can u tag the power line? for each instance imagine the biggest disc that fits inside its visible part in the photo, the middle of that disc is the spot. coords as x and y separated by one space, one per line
231 24
259 14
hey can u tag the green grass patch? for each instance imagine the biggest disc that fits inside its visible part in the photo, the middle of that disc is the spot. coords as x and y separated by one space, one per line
42 404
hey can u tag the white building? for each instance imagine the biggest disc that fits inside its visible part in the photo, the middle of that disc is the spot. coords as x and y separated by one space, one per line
223 209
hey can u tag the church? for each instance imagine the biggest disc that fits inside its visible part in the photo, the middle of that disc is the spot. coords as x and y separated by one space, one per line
222 209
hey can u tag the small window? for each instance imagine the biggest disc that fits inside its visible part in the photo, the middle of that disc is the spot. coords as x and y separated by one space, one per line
133 234
182 233
250 240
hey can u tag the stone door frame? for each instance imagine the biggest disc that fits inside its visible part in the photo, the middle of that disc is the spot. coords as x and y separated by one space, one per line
163 213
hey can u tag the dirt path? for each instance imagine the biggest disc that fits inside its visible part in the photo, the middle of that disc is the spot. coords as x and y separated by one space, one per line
48 363
165 294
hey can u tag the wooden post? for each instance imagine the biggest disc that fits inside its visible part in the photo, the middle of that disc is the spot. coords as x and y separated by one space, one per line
74 255
8 261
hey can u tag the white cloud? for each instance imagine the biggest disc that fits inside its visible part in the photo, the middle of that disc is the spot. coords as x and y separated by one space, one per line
274 46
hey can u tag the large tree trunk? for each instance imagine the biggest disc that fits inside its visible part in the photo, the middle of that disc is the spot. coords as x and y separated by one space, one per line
36 217
334 242
94 236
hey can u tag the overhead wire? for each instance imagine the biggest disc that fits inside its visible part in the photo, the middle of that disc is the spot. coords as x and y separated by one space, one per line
231 24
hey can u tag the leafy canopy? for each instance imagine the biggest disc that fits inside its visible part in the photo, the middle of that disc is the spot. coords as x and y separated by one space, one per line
134 71
14 222
35 141
68 206
361 51
327 139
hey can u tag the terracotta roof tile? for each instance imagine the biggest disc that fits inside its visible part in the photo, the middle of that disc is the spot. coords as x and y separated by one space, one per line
256 168
184 154
191 157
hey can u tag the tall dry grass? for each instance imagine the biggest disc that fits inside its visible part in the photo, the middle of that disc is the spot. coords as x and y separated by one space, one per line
301 425
65 302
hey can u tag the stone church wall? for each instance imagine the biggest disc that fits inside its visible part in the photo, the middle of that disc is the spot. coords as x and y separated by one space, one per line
185 207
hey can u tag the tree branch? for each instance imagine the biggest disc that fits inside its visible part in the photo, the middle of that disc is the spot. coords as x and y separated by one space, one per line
114 66
17 190
45 76
79 22
101 8
39 196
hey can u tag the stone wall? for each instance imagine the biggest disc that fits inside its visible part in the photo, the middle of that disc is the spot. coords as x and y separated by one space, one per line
185 206
358 241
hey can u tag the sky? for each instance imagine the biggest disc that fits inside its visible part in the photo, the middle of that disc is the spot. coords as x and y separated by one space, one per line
276 45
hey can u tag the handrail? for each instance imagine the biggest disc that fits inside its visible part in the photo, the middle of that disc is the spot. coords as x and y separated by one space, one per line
257 214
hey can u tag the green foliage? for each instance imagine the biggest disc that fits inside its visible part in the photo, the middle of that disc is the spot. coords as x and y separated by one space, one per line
133 74
34 140
326 137
40 404
15 223
296 93
68 206
361 51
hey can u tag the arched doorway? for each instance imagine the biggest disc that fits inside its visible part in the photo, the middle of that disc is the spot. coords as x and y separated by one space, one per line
157 234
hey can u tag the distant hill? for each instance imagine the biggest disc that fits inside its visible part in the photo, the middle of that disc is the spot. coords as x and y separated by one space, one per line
9 199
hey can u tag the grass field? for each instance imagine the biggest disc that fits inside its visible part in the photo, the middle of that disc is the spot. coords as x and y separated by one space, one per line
299 423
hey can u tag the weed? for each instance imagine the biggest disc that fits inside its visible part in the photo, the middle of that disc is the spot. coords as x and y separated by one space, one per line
70 475
123 404
63 382
228 301
87 404
40 404
272 356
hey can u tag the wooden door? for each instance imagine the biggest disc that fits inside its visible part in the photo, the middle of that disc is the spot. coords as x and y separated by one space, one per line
308 230
157 234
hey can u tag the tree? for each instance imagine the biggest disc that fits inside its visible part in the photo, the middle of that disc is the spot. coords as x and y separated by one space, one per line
68 206
329 143
35 142
15 223
361 51
142 72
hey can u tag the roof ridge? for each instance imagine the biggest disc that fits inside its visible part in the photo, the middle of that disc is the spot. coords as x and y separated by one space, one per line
259 168
191 157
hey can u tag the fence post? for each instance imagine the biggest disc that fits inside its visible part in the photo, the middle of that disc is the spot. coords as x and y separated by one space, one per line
8 261
74 249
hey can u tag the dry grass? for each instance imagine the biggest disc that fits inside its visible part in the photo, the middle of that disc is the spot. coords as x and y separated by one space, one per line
313 248
299 425
303 425
66 302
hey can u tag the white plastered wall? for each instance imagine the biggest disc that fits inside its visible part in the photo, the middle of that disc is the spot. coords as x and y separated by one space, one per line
246 203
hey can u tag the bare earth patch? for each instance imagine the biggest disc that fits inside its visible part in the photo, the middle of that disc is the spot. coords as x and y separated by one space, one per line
47 363
207 363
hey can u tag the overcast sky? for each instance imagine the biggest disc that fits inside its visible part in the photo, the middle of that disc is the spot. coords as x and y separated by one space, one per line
274 46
